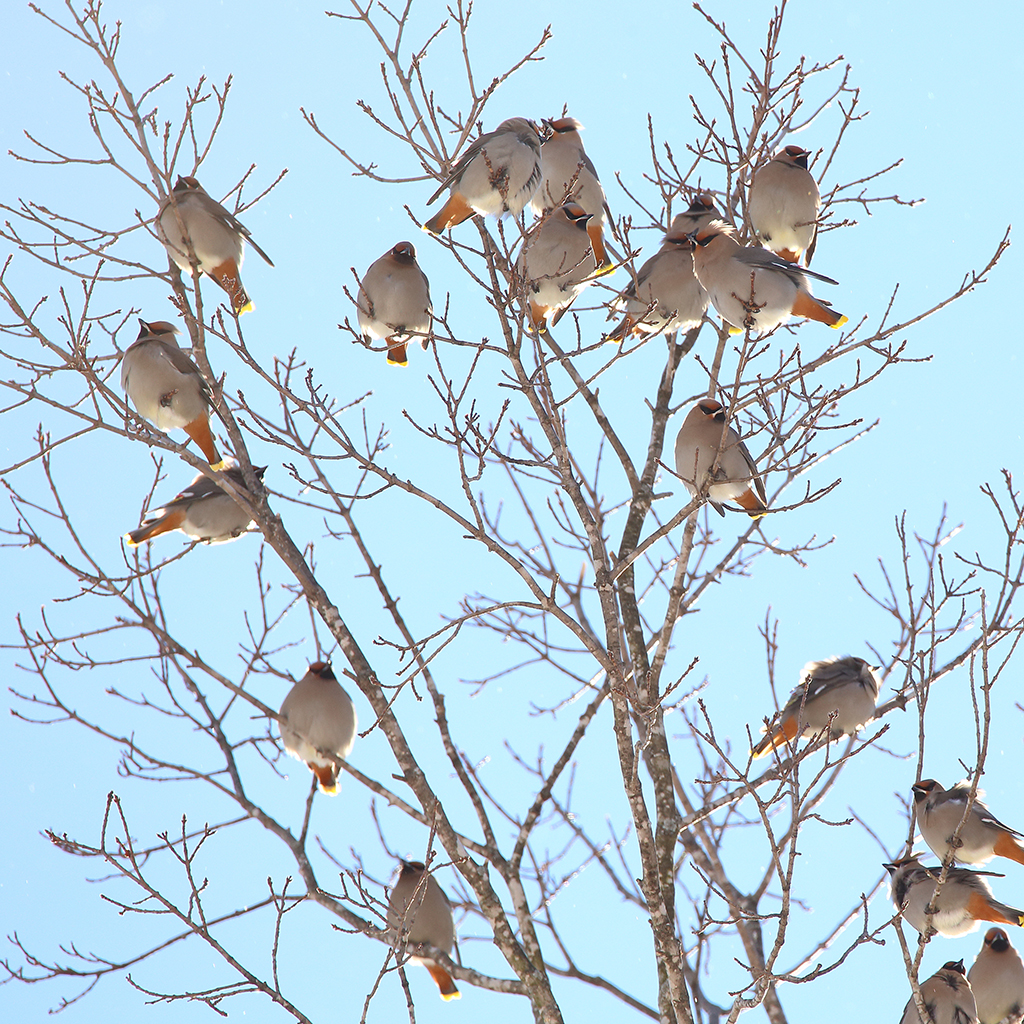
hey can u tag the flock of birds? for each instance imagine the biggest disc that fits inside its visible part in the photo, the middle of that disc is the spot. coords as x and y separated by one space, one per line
700 262
837 696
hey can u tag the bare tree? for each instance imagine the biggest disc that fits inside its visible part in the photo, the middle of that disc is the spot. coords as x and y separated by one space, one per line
582 566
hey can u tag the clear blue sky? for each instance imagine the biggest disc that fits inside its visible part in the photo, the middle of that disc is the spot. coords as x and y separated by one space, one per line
941 89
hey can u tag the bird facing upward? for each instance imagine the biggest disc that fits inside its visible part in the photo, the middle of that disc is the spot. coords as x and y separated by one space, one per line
567 173
166 386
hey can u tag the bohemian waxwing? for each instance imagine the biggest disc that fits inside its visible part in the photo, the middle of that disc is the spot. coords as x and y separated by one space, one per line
318 724
498 173
394 301
704 439
217 238
946 996
964 901
419 911
166 386
983 836
203 511
838 694
700 212
567 173
666 295
750 285
556 264
997 979
783 205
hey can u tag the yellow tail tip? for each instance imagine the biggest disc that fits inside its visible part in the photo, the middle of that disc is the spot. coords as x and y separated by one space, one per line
608 268
735 330
839 323
247 308
397 362
128 540
449 996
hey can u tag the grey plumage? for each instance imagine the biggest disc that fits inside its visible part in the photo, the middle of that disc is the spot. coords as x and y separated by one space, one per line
705 437
498 173
997 979
419 910
203 511
217 238
166 386
947 998
983 835
394 301
783 205
317 720
963 901
838 694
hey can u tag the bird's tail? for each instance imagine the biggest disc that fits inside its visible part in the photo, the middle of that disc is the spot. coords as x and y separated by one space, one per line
398 353
199 431
1007 846
785 731
984 908
326 775
807 305
228 277
154 527
454 211
445 982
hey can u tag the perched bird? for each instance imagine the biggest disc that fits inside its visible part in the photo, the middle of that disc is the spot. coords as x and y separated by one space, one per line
318 724
838 694
190 216
166 386
705 438
947 997
556 264
666 295
498 173
419 911
394 301
749 285
783 205
983 836
203 511
997 979
964 901
567 173
700 212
